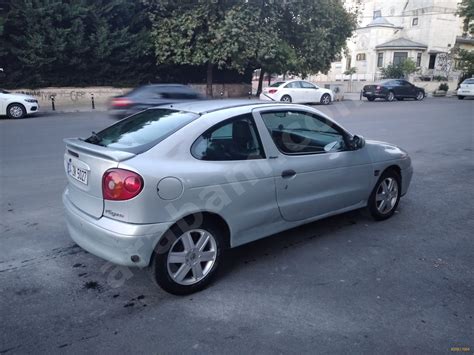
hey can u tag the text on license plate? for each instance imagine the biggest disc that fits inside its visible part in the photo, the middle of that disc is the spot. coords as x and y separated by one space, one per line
76 172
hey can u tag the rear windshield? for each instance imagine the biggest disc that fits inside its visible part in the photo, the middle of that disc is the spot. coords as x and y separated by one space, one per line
468 81
278 83
142 131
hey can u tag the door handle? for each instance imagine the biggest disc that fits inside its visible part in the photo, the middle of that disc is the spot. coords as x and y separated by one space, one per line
288 173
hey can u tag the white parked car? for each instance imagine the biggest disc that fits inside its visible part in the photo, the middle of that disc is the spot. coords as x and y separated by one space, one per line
17 105
466 89
297 91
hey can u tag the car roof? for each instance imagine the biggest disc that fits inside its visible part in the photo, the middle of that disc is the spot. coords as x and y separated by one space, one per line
207 106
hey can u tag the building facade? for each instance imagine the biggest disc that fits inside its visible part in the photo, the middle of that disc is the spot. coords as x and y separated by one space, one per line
391 31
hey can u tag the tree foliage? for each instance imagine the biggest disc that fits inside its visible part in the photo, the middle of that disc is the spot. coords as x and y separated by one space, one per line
300 37
466 10
52 42
399 71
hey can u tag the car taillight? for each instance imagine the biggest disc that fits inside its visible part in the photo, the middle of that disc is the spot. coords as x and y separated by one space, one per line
120 184
378 87
121 102
272 91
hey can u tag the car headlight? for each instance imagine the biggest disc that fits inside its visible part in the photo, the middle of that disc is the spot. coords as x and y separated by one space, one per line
31 100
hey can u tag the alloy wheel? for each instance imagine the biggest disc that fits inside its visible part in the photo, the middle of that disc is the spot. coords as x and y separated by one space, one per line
387 195
15 111
420 96
326 99
390 96
192 257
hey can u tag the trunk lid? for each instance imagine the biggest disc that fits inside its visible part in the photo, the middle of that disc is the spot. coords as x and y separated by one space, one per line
85 165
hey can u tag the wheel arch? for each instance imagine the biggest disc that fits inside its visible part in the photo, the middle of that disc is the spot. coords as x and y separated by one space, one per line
207 217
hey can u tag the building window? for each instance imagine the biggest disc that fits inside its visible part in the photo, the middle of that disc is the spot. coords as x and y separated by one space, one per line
360 56
399 57
377 14
379 60
414 22
418 60
431 65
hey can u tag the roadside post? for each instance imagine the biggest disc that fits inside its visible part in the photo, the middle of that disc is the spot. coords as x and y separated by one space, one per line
53 107
92 101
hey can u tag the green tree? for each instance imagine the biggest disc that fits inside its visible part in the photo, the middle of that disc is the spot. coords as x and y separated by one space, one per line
84 42
276 36
464 62
398 71
466 10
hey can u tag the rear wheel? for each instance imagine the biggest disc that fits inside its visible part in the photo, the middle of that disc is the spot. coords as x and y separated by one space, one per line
371 98
16 111
192 260
420 95
325 99
286 98
399 98
460 97
384 199
390 96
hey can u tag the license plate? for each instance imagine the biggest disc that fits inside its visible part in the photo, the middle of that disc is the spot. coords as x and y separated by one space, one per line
77 173
369 92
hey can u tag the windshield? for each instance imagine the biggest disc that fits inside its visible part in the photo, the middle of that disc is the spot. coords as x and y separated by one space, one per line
142 131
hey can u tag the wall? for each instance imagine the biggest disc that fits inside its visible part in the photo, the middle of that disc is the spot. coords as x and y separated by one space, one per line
72 99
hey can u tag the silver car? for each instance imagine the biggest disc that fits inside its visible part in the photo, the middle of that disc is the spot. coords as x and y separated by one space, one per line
173 187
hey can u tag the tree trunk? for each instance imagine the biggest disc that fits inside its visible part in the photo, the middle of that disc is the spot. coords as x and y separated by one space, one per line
269 79
260 82
209 80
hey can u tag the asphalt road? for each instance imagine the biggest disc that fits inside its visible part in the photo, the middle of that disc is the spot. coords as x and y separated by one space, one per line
346 284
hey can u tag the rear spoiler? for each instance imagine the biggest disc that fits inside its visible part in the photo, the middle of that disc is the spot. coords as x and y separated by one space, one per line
78 144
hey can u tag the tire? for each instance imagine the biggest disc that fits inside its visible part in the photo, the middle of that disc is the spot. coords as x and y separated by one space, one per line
167 274
286 98
371 98
420 96
16 111
460 97
382 206
325 99
390 96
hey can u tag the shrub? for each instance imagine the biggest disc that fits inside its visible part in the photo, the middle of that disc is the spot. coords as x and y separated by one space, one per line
443 87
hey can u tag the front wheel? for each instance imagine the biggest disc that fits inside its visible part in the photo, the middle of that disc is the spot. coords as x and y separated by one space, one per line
325 99
192 260
286 98
460 97
420 96
371 98
16 111
384 199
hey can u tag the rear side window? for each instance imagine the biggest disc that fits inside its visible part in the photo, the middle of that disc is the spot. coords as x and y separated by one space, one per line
142 131
293 85
233 139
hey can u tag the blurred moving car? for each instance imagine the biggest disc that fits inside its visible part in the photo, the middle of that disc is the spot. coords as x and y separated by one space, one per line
466 89
17 105
297 91
391 89
147 96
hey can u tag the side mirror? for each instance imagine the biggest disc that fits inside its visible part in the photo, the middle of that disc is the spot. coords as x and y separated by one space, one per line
357 142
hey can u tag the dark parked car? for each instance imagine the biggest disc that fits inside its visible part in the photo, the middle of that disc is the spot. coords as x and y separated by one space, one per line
147 96
391 89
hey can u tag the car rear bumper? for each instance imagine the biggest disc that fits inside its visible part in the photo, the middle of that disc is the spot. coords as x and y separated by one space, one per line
113 240
374 94
464 92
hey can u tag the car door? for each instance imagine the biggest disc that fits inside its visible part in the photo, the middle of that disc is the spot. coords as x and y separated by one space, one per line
315 173
311 92
295 90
